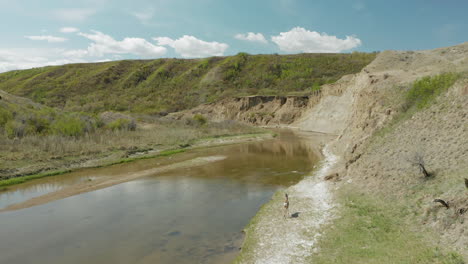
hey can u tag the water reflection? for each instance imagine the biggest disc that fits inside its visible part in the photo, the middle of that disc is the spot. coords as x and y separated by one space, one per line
183 216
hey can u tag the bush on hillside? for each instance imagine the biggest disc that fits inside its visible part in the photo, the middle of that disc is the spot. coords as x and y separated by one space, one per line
122 124
5 116
68 126
200 119
14 129
426 89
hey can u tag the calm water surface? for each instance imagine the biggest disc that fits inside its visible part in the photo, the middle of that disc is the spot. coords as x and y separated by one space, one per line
183 216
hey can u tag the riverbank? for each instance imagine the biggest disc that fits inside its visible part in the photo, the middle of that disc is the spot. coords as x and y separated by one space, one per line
142 144
271 238
93 185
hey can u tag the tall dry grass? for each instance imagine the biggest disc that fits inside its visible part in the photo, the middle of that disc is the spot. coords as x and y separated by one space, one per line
31 153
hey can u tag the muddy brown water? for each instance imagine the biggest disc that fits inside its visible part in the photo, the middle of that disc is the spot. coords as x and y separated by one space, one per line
190 215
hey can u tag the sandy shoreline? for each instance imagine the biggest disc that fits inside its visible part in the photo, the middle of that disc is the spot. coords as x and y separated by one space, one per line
107 182
272 239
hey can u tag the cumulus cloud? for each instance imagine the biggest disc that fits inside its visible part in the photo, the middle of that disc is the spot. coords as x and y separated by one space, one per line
191 47
104 44
13 59
301 40
102 48
254 37
74 14
69 30
50 39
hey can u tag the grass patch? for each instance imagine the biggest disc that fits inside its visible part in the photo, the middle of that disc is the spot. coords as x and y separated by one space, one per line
425 90
164 153
371 230
24 179
418 96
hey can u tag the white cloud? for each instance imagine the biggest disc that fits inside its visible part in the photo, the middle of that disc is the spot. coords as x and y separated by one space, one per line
191 47
144 16
13 59
50 39
301 40
254 37
102 48
104 44
74 14
69 30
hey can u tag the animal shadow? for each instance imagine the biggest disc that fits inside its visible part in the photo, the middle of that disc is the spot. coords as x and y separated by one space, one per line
295 215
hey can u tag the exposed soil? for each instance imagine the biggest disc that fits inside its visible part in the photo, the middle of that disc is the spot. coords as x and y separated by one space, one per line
374 156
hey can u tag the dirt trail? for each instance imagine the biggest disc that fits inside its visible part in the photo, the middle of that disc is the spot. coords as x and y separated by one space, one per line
291 240
107 182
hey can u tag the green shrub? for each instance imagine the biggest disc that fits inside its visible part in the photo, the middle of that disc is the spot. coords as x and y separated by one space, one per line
200 119
316 87
69 126
122 124
426 89
14 129
37 125
5 116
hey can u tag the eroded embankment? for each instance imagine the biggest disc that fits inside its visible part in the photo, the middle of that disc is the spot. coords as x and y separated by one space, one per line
378 135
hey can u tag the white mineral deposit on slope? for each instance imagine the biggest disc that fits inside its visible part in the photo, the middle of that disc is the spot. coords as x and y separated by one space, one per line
291 240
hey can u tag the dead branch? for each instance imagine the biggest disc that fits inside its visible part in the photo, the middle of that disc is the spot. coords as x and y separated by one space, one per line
418 160
442 202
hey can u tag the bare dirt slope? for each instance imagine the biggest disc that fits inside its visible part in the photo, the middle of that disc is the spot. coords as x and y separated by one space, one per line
380 162
373 148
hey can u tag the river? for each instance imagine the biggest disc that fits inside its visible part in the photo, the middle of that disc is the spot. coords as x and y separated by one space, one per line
186 215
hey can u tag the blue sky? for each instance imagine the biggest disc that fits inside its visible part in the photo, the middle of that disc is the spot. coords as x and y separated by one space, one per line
37 33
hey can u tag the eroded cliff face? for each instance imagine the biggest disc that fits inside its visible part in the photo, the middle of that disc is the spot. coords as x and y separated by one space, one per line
257 110
280 110
377 147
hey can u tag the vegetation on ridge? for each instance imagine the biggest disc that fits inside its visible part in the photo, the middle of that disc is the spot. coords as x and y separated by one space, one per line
166 85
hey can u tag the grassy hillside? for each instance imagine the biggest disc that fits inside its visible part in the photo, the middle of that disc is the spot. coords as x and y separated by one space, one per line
20 117
167 85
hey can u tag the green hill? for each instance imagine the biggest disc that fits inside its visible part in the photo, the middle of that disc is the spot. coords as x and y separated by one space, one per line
166 85
20 117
